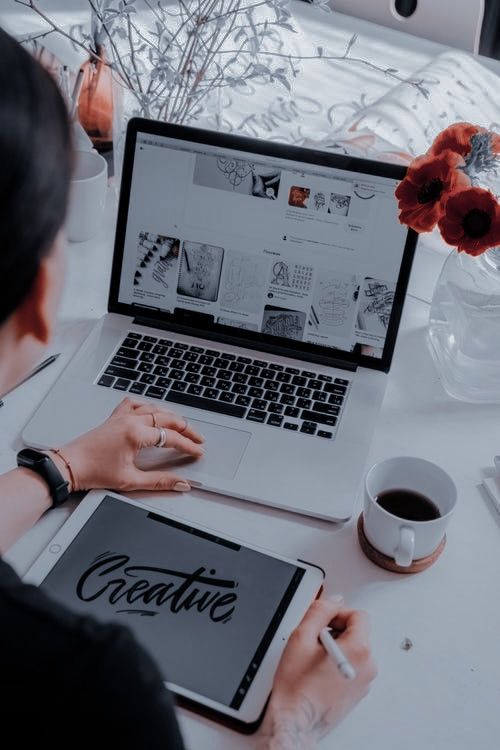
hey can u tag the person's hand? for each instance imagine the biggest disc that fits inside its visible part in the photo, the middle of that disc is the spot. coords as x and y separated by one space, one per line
310 695
104 458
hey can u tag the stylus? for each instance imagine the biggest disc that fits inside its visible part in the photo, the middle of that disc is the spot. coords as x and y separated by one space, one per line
333 649
38 368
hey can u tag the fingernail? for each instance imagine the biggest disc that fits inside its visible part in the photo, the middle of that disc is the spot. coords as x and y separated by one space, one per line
182 487
335 598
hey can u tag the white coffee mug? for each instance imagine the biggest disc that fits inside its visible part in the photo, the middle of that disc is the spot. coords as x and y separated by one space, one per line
396 537
87 197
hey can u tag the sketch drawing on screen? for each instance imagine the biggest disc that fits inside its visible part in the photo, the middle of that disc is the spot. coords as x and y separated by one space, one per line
201 267
237 324
237 175
291 275
288 324
339 204
319 201
156 267
375 306
243 282
334 303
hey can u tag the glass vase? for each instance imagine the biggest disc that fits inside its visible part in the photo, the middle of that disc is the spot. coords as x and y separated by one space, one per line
464 326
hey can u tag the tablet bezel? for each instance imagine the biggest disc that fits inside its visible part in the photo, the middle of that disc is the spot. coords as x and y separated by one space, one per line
248 717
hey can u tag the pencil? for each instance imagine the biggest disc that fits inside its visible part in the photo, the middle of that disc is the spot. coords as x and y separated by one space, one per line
77 88
35 371
333 649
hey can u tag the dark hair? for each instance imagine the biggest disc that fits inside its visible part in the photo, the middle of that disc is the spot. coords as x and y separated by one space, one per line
35 169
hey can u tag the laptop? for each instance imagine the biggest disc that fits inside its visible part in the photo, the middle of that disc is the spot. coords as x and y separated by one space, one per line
257 289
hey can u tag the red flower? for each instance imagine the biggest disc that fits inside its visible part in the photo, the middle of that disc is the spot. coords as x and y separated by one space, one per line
471 221
428 180
456 138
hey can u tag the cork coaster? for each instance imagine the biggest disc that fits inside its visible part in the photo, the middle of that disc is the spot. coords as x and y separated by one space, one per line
388 563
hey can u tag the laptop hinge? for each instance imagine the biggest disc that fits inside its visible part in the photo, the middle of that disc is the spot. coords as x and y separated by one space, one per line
260 346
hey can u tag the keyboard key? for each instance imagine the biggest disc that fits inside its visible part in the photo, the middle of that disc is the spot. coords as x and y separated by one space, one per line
243 400
255 392
335 399
292 370
181 346
175 352
121 384
260 363
191 377
163 382
179 387
145 367
196 349
178 364
155 392
124 351
257 382
158 349
164 361
148 378
308 374
291 426
275 408
189 357
122 372
292 411
325 408
325 378
228 356
210 393
338 390
275 420
207 382
259 403
227 397
224 375
271 385
324 434
187 399
239 377
210 371
106 381
308 428
319 396
255 415
161 371
314 384
176 374
137 388
212 353
283 377
271 396
239 388
144 346
340 381
193 367
252 370
299 380
220 363
244 360
276 367
315 416
287 388
150 339
223 385
130 342
267 373
124 362
288 400
132 335
205 360
304 392
196 390
236 366
147 357
164 342
304 403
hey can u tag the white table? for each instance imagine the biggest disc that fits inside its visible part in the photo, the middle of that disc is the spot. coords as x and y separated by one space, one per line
444 692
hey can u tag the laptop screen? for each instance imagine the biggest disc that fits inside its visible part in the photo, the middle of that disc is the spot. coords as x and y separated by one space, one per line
298 251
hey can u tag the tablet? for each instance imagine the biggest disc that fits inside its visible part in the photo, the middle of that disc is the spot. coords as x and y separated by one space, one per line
214 612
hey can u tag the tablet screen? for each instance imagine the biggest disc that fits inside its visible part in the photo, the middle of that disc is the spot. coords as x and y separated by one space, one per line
206 608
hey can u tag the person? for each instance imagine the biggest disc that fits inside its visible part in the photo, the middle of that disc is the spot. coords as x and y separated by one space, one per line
62 671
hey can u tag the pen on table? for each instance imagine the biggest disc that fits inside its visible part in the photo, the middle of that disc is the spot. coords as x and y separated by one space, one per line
333 649
77 88
35 371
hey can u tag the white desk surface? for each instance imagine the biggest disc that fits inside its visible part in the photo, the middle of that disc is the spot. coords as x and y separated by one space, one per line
445 691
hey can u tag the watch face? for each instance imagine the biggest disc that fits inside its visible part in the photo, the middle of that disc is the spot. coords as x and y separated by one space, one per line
30 456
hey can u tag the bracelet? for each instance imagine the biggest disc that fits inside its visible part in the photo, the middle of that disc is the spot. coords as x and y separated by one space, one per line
65 461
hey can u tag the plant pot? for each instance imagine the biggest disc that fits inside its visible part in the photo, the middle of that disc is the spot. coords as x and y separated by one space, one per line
464 326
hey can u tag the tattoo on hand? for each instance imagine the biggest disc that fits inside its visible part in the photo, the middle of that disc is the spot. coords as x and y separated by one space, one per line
296 728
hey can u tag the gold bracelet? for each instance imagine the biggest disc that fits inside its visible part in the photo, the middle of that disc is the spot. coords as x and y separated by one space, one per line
57 451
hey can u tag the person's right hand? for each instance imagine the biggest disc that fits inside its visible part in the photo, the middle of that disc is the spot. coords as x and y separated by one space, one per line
104 458
310 695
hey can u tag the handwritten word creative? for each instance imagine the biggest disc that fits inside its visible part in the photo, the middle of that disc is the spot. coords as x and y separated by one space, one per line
112 577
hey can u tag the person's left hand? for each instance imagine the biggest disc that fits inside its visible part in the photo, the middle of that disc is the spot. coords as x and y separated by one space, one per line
105 456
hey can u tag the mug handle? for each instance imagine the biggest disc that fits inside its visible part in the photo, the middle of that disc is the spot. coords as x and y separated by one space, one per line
403 554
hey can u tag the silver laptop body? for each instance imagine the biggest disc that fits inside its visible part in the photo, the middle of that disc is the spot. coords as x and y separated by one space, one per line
257 288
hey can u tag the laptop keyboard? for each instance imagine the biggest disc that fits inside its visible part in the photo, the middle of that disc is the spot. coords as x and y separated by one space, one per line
266 392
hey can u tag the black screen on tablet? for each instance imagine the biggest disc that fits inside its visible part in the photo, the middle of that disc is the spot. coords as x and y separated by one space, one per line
205 608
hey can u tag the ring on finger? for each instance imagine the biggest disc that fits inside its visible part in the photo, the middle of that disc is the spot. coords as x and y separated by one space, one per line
155 423
185 426
162 438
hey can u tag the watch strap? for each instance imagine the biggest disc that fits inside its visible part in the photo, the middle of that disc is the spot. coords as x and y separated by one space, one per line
45 467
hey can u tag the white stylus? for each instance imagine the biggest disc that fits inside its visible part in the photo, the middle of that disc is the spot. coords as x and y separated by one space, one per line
333 649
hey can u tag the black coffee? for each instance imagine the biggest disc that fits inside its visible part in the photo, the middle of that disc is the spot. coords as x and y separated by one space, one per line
407 504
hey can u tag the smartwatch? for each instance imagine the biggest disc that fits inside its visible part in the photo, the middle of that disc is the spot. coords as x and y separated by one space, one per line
42 465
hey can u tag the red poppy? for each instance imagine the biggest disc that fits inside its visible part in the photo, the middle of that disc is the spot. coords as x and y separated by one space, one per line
428 180
456 138
471 221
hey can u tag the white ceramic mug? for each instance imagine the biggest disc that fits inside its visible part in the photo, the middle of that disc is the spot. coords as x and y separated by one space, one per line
396 537
87 197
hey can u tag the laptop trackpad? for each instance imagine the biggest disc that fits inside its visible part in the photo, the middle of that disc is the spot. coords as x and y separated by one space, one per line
224 449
